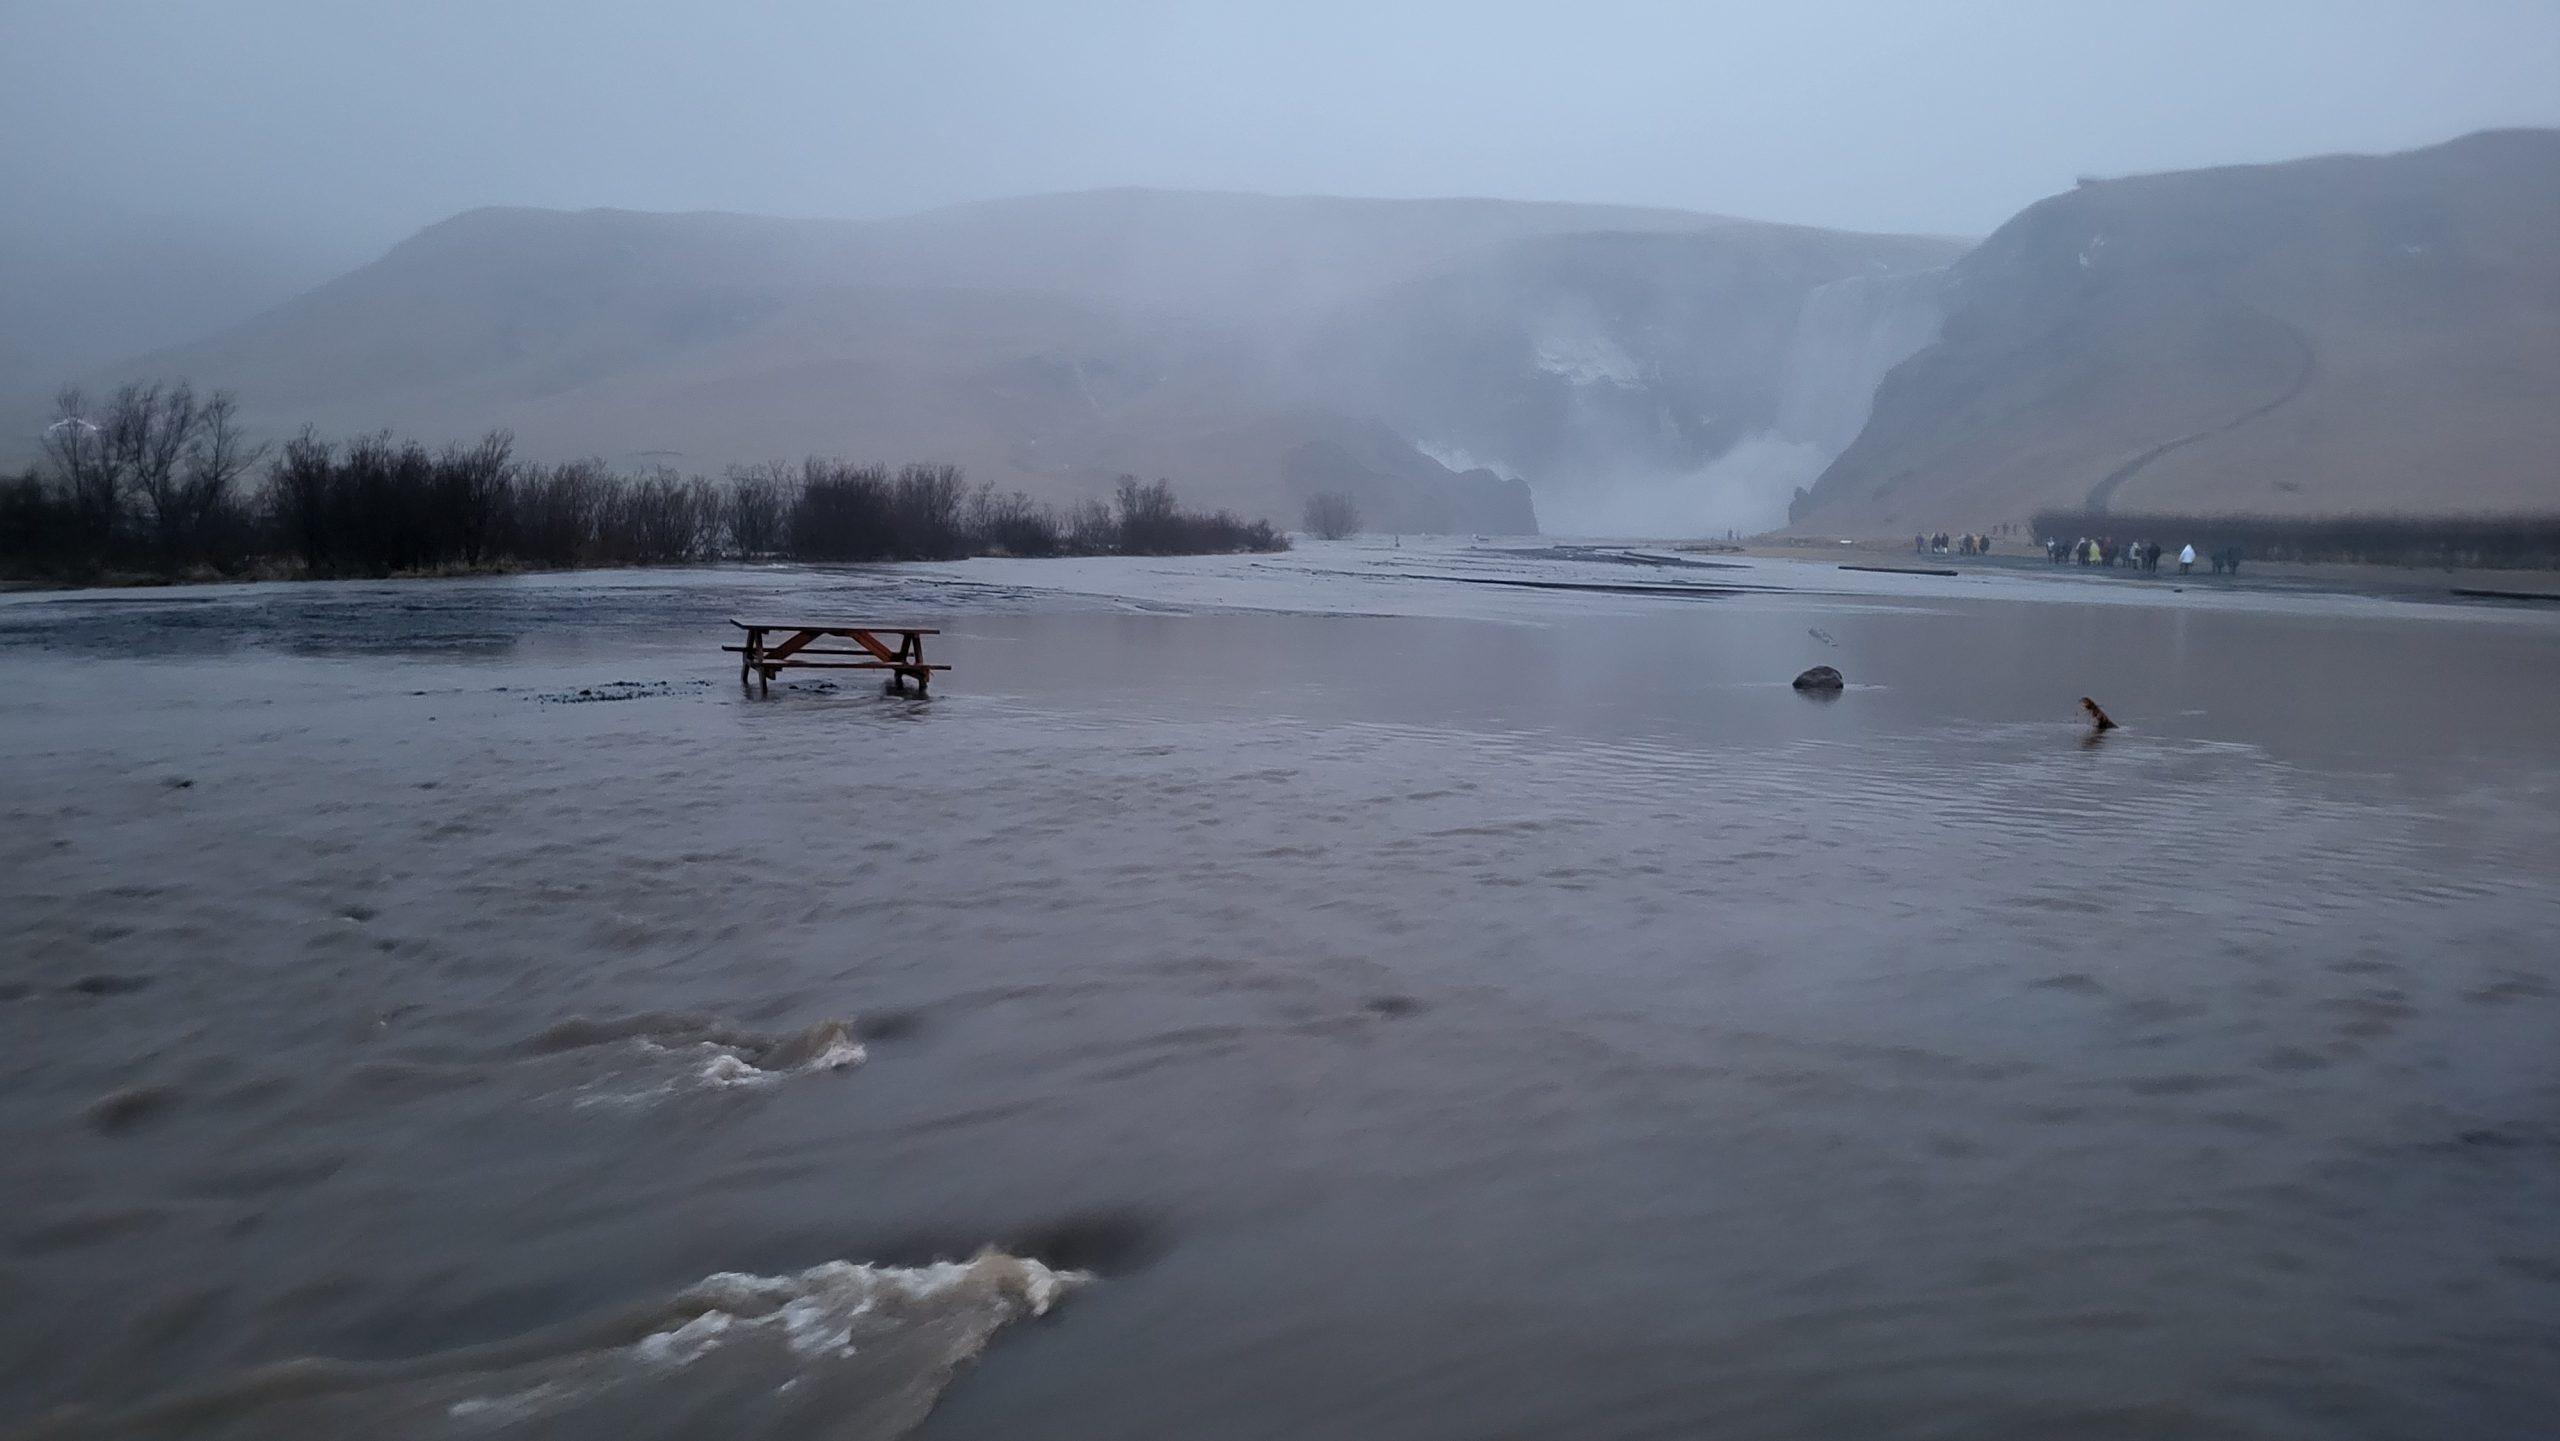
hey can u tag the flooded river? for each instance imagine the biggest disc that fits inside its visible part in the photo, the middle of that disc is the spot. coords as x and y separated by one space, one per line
1327 995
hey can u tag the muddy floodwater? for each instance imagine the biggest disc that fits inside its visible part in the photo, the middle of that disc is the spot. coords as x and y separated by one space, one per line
1349 994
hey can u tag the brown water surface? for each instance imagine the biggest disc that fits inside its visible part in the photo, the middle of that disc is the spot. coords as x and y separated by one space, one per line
1346 1004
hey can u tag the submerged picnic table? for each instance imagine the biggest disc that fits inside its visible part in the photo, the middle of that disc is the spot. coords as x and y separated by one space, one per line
904 660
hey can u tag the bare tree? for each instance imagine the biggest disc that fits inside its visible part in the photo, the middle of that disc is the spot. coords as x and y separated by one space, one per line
843 512
1331 515
926 511
659 524
153 430
710 511
757 505
176 456
89 467
474 484
1149 518
1091 530
558 509
299 498
215 458
1012 524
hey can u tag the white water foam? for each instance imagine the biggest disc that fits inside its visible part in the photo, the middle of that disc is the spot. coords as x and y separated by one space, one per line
834 1051
865 1349
717 1058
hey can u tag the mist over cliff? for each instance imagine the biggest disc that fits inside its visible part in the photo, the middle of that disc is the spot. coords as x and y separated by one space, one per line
1444 362
1650 384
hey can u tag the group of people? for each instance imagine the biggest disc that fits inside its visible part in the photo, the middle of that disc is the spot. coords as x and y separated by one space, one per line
2102 550
2141 555
2106 550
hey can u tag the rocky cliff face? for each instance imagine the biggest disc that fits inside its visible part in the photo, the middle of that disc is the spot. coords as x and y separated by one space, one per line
2342 334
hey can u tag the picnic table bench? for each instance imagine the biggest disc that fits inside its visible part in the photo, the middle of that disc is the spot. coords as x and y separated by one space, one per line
896 649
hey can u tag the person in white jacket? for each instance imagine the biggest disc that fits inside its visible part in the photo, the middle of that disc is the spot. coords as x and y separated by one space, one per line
2186 559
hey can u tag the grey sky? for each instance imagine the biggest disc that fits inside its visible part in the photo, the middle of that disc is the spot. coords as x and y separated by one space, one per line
346 125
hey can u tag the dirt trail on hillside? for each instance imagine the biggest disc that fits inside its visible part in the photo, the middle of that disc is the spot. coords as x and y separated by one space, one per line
2104 491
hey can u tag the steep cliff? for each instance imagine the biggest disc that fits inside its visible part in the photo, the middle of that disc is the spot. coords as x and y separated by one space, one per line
2350 333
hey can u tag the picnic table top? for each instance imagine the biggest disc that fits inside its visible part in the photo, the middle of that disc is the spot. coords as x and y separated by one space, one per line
833 626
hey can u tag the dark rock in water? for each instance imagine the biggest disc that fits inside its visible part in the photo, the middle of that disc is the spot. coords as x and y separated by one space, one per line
108 985
1821 677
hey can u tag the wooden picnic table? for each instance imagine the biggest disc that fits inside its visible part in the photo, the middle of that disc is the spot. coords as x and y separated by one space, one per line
873 649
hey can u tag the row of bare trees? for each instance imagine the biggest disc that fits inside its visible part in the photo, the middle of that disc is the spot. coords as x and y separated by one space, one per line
158 481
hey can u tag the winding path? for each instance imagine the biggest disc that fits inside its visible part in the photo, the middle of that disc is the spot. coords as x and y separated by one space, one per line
2105 490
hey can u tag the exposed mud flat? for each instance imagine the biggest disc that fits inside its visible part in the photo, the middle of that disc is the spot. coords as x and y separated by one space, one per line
1274 997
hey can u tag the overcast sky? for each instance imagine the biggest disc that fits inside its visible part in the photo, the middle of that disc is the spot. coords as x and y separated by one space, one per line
349 124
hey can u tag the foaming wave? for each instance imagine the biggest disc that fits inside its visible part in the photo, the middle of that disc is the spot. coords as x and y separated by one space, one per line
827 1046
840 1349
666 1052
815 1312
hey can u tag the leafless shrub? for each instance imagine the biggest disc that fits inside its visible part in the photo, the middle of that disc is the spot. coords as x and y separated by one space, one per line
927 503
473 494
1090 529
755 509
1014 524
557 510
843 512
1332 515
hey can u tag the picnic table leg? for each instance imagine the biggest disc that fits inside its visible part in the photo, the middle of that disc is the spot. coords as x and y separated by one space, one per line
747 661
911 650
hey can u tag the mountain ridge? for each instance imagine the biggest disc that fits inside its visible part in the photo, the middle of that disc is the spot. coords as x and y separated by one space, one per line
2332 333
1043 342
